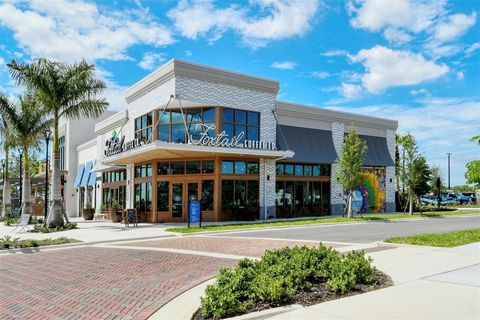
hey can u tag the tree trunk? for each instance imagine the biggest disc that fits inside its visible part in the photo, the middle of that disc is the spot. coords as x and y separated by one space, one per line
26 185
7 199
410 206
349 204
55 214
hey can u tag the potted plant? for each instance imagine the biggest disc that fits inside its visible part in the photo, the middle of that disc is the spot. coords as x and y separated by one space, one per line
88 212
114 212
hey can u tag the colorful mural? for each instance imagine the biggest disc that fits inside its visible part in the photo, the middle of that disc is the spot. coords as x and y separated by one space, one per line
370 197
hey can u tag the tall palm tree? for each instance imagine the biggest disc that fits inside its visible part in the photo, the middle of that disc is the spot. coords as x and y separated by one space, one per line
27 120
6 142
66 91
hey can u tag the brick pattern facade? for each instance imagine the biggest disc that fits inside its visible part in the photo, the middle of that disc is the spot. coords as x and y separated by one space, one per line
336 189
267 168
390 171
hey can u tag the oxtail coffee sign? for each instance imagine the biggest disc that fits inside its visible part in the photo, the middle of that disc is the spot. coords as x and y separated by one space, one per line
117 145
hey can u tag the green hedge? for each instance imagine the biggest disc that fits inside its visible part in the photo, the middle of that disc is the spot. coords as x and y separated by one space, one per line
7 242
280 274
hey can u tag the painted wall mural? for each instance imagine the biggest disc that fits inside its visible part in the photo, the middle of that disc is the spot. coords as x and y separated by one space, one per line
370 197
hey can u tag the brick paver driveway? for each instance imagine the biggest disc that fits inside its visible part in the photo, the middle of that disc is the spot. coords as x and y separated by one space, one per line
97 283
225 245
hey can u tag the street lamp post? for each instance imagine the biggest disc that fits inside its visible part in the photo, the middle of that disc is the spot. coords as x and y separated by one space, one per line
47 134
449 154
20 152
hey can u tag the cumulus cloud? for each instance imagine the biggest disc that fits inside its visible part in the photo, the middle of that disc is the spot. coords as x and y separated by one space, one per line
333 53
320 74
276 20
419 91
387 68
429 129
454 26
460 75
72 30
151 60
351 91
396 35
284 65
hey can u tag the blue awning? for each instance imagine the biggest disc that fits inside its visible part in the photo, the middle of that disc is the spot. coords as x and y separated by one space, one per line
92 178
86 174
78 178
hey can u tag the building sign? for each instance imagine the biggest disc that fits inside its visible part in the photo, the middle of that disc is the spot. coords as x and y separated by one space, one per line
223 140
115 145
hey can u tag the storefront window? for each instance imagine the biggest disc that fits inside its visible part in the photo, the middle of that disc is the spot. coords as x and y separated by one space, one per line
236 121
240 198
178 167
289 169
143 128
143 170
239 167
207 195
173 126
280 169
208 166
163 168
302 198
227 167
253 168
300 169
163 195
193 167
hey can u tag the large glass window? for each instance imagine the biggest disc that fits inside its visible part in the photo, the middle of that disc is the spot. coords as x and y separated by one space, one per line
163 195
194 167
185 167
207 195
143 128
239 167
235 121
302 198
240 198
114 176
178 167
143 197
143 170
208 166
301 169
173 126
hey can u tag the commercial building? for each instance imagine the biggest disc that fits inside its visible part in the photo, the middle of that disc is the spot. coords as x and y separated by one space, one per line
192 132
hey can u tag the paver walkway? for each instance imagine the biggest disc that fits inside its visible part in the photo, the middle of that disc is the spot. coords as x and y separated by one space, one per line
97 283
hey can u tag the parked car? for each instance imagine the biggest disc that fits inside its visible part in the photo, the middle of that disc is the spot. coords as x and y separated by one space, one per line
448 201
428 200
461 199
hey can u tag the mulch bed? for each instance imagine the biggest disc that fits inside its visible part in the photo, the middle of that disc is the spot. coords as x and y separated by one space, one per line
318 293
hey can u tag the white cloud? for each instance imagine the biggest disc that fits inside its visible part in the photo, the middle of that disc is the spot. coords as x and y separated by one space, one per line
460 75
188 53
390 68
351 91
454 26
474 47
428 124
333 53
276 20
284 65
72 30
151 60
320 74
419 91
396 35
412 15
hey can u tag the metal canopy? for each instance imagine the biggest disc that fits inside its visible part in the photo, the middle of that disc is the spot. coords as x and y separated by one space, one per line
309 145
377 152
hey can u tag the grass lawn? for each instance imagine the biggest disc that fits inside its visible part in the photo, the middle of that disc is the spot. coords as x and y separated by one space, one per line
269 224
444 239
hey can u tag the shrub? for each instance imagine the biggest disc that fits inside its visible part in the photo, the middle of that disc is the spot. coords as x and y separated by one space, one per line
280 274
10 220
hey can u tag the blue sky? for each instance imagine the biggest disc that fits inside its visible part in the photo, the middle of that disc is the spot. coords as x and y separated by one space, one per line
414 61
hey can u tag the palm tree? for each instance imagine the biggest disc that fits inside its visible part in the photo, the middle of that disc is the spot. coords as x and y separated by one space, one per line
6 142
66 91
27 120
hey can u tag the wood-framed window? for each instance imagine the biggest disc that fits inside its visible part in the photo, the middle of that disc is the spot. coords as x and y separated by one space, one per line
235 121
143 127
303 169
185 167
240 167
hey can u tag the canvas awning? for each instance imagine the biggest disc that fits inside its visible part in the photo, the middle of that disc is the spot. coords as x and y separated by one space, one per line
92 178
309 145
377 152
78 178
86 174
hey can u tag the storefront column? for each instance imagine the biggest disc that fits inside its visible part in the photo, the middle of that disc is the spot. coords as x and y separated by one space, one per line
267 189
390 173
129 192
336 189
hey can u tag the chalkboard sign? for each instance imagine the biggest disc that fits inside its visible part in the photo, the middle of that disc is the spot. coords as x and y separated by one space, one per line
130 216
194 212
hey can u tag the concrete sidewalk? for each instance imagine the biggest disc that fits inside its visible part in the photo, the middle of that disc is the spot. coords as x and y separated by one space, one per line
431 283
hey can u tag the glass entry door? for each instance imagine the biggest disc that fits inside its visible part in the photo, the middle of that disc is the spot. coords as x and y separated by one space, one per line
177 200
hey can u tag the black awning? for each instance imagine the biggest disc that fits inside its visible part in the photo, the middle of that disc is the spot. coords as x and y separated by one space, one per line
377 153
309 145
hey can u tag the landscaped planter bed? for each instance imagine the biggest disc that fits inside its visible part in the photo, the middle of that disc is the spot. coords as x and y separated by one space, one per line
287 276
